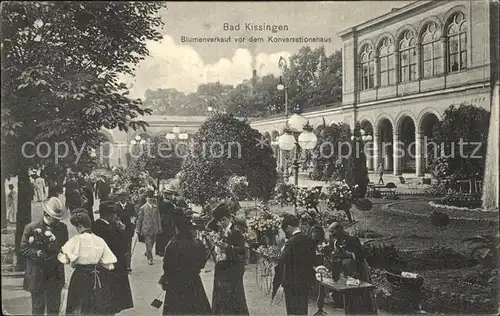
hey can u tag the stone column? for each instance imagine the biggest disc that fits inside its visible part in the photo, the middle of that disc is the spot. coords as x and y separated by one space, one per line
396 154
369 150
376 151
396 66
418 50
376 69
419 154
444 50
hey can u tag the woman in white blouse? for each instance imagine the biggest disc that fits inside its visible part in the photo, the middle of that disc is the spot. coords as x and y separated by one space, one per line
89 288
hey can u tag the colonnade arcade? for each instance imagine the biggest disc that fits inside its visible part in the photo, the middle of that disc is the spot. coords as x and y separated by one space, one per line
398 143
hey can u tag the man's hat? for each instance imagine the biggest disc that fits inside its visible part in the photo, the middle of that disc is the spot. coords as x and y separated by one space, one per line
169 190
220 211
107 207
289 220
54 207
150 193
240 221
121 193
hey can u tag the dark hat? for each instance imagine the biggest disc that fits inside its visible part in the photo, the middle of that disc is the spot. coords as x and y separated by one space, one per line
220 211
122 193
107 207
289 220
181 220
240 221
150 194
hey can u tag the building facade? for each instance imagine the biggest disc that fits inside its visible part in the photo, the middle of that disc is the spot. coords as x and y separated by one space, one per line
401 71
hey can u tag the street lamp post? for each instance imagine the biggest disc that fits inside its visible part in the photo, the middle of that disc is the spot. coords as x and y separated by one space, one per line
282 65
296 135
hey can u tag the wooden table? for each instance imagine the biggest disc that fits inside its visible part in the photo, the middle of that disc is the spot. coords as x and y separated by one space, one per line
339 286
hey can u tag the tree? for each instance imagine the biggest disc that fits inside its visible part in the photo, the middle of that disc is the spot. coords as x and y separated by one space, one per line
60 69
329 150
313 78
161 159
447 161
225 146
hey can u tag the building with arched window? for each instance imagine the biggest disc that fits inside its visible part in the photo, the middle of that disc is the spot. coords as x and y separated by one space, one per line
423 58
403 69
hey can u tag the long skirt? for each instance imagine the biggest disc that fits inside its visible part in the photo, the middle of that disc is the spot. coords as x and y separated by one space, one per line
89 291
229 294
162 240
121 293
185 295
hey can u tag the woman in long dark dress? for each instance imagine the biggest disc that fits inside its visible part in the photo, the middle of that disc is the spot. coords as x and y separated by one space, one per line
183 260
89 289
228 293
111 229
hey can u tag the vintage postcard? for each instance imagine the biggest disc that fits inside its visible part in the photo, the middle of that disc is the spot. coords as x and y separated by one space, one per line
250 158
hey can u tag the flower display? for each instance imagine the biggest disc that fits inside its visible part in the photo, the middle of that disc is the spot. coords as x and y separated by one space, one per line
41 240
270 252
308 198
285 194
339 196
320 249
265 222
238 185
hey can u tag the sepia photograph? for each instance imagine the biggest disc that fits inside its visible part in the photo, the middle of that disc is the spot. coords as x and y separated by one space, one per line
250 158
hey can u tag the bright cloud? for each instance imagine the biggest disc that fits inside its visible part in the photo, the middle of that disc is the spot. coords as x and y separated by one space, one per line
174 65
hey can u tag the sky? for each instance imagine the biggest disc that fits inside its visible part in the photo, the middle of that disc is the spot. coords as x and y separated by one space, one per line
183 66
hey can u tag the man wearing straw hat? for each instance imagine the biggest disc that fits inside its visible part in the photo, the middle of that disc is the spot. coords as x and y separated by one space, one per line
44 274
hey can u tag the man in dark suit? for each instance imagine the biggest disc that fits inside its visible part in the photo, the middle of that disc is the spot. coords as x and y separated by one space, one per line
102 189
126 213
166 208
44 274
297 263
110 228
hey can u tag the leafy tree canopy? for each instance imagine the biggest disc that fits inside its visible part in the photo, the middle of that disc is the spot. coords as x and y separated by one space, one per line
225 146
467 125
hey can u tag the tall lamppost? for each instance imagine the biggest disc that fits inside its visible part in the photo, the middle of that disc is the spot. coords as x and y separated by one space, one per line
282 65
298 134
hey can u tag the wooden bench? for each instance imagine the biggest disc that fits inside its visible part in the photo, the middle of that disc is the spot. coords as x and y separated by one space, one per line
386 189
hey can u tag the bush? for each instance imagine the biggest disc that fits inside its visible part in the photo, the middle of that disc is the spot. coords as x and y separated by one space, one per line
383 256
366 233
440 219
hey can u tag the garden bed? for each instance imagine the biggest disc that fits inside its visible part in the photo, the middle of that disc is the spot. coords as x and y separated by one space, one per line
421 208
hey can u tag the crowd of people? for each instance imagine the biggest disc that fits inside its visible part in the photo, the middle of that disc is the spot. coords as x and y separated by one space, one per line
101 254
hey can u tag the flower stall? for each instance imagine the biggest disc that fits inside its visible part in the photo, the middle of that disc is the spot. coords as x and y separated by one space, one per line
285 194
266 226
339 197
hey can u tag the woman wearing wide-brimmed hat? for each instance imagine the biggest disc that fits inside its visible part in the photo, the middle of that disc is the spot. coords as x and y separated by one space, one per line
229 294
183 260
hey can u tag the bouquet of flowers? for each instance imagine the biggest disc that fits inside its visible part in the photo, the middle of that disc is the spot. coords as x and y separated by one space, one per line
41 240
238 185
285 194
320 249
265 222
339 196
308 198
271 252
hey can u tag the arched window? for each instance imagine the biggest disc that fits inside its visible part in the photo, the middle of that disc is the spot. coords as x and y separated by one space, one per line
367 68
407 57
432 58
386 62
457 43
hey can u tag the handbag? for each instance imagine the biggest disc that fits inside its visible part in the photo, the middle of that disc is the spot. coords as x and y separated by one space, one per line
156 303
